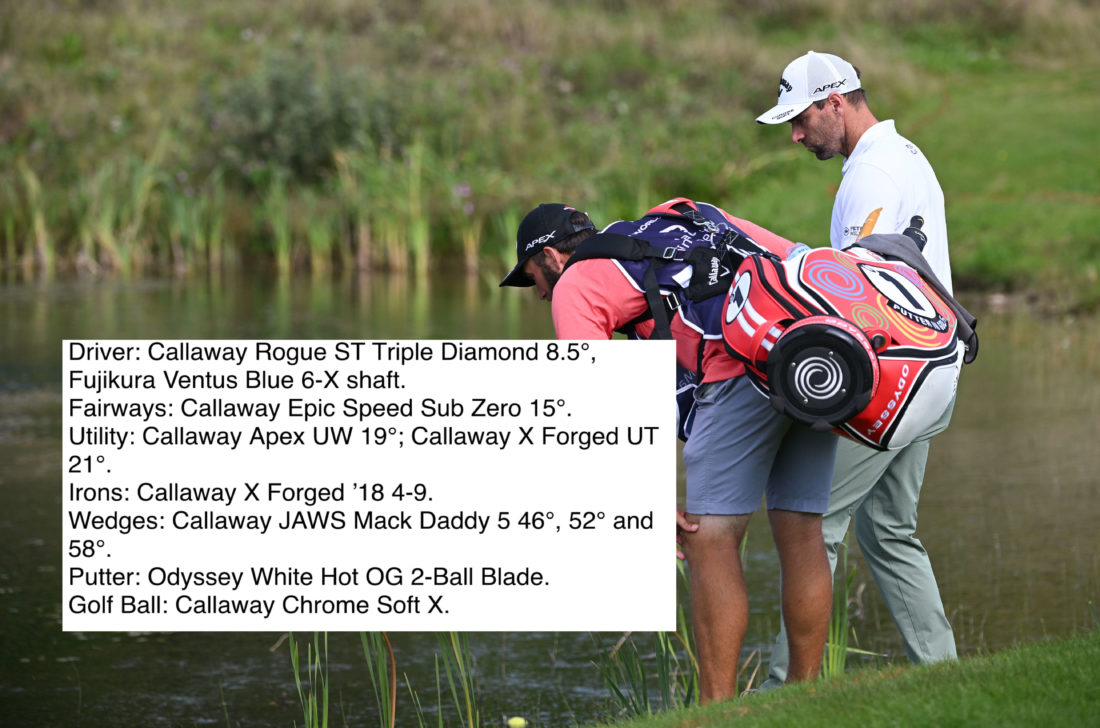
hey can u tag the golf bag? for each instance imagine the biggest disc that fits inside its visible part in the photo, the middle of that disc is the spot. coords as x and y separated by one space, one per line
845 340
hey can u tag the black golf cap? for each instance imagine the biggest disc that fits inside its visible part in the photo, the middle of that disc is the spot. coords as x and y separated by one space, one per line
545 225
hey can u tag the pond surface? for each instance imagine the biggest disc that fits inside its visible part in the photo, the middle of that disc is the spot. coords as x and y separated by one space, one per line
1009 511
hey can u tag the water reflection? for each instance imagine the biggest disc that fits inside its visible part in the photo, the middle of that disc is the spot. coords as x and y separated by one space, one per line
1008 511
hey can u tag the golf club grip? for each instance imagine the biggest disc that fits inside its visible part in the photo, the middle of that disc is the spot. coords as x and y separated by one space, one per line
914 232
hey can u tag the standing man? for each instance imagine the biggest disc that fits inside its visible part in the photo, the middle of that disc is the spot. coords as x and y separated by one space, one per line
886 182
740 447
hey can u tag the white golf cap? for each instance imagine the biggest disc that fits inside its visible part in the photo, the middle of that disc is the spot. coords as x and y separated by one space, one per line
807 79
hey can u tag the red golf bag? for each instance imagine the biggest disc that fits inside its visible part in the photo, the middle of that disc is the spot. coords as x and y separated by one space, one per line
845 340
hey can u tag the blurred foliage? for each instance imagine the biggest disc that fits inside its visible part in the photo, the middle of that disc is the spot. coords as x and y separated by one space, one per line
288 117
427 127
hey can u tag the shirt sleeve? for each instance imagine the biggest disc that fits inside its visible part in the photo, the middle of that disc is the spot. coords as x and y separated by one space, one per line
868 201
593 299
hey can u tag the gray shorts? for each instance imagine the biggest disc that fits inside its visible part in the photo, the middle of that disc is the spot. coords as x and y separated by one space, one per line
741 448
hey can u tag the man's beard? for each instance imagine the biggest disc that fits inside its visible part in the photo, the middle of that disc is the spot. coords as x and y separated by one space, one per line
822 152
550 274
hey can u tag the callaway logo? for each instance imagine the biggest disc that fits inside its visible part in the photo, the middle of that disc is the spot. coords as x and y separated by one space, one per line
783 85
539 241
784 114
834 84
712 278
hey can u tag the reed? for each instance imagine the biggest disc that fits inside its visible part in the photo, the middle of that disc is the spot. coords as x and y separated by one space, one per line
467 222
417 234
7 246
498 253
675 669
184 236
142 177
685 635
624 675
382 668
211 214
276 213
102 220
313 690
10 210
458 667
418 706
353 211
670 683
40 241
532 115
225 705
836 646
355 169
321 226
388 209
470 233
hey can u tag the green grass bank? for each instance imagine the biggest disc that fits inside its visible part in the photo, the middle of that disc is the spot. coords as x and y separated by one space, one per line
143 135
1053 683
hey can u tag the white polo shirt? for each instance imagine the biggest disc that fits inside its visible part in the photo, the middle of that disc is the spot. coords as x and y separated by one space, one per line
885 182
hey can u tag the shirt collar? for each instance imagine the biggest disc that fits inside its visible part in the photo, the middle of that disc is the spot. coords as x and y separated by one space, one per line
877 131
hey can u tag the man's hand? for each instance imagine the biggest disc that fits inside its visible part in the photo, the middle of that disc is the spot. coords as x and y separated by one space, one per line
683 525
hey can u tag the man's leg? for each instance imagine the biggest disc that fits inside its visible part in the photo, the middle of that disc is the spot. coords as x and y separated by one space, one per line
806 588
857 470
885 525
728 456
719 602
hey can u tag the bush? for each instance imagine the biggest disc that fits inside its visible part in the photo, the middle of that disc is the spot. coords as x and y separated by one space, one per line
286 119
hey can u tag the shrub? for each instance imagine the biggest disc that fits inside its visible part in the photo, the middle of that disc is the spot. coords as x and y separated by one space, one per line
287 118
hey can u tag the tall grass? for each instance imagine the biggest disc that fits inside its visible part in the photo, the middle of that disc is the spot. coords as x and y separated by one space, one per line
322 233
836 646
382 668
313 686
142 173
454 679
40 240
418 236
670 683
671 679
458 667
276 209
509 102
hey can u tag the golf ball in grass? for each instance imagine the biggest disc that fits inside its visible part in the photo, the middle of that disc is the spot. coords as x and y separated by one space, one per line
517 722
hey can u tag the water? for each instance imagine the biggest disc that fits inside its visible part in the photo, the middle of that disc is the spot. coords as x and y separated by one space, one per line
1008 511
